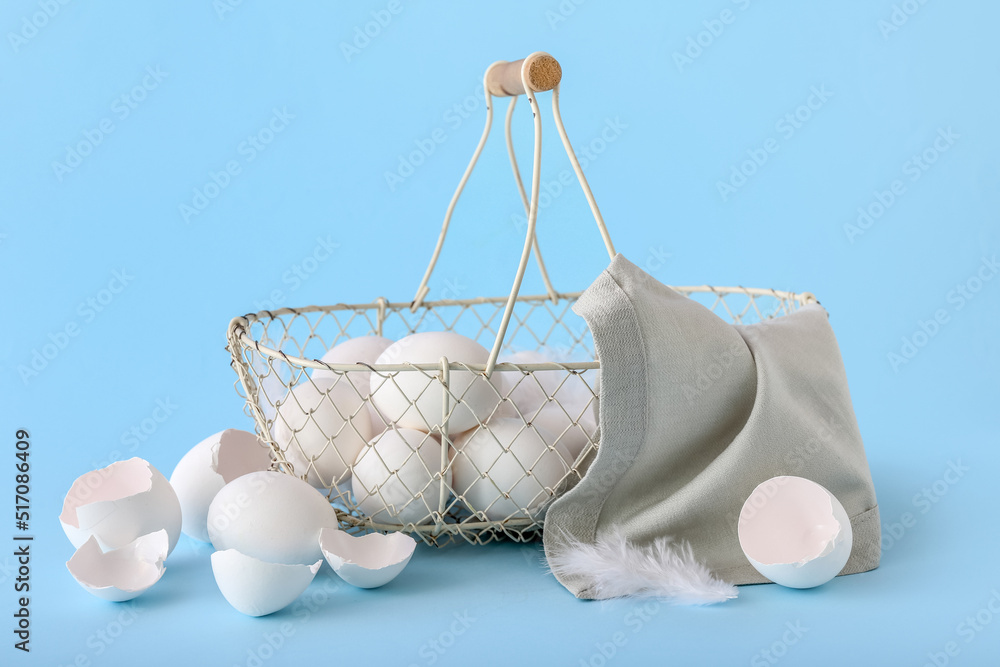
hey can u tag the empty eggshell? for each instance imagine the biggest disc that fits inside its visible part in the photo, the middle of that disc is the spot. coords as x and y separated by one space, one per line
393 396
209 466
389 474
120 574
271 516
309 416
258 588
490 465
119 503
368 561
795 532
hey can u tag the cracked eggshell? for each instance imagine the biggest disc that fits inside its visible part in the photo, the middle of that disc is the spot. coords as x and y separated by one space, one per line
120 574
119 503
312 413
258 588
209 466
392 470
271 516
795 532
368 561
414 399
492 462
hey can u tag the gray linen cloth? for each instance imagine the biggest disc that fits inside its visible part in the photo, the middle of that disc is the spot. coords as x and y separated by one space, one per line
696 412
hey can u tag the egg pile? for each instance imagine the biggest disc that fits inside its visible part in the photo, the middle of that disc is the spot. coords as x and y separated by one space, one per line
499 446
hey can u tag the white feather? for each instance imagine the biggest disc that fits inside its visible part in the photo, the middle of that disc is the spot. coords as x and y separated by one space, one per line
615 568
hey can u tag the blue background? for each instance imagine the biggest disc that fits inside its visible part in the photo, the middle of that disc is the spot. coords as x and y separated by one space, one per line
686 126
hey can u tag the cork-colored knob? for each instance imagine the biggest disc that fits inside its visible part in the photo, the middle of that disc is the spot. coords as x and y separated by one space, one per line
544 73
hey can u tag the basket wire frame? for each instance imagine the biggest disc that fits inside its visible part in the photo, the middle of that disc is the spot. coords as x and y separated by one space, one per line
276 352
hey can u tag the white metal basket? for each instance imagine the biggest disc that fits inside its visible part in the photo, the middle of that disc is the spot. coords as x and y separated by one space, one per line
276 355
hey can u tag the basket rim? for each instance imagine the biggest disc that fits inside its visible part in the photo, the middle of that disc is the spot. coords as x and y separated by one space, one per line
239 329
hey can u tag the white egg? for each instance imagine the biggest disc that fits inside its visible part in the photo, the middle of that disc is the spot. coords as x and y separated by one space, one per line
491 469
368 561
360 350
257 588
393 396
123 573
562 405
396 477
795 532
313 413
271 516
529 392
119 503
209 466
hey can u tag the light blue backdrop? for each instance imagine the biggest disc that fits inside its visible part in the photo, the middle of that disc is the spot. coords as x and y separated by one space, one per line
126 247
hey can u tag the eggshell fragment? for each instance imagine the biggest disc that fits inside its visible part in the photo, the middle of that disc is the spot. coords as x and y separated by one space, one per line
119 503
209 466
795 532
120 574
258 588
309 416
271 516
415 399
395 477
491 469
368 561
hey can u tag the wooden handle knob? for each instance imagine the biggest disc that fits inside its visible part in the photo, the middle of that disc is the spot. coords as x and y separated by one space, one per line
544 73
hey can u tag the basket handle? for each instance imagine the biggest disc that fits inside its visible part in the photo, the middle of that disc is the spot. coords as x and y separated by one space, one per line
537 69
504 80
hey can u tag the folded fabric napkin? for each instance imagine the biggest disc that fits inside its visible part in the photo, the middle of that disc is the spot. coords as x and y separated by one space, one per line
695 412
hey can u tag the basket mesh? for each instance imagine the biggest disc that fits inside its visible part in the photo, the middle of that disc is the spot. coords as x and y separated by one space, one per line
533 427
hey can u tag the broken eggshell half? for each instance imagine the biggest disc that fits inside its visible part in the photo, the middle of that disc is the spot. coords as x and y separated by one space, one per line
258 588
119 503
209 466
368 561
795 532
120 574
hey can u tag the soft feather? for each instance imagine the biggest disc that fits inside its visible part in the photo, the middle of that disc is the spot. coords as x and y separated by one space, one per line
615 568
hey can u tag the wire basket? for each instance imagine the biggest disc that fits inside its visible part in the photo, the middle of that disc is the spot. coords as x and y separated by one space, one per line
469 451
